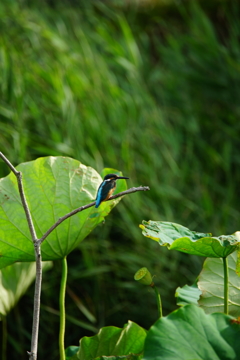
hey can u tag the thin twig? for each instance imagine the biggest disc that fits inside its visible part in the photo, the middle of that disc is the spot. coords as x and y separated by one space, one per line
75 211
8 163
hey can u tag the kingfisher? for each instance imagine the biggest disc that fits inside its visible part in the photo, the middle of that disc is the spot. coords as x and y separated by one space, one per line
107 187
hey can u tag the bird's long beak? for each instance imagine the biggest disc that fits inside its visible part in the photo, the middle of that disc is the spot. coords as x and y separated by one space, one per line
122 177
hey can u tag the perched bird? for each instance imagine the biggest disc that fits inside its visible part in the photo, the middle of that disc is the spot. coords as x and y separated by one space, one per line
107 187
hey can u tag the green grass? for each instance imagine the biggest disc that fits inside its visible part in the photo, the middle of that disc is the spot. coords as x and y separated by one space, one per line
157 101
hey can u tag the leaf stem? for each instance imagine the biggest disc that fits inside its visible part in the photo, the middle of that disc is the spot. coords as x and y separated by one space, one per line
62 308
225 270
158 299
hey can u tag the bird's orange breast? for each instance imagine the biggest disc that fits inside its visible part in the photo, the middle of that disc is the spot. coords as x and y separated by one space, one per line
109 194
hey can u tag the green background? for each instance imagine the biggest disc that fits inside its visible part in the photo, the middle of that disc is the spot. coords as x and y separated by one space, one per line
152 91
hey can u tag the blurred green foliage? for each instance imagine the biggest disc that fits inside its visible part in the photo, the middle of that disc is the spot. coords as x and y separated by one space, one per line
152 92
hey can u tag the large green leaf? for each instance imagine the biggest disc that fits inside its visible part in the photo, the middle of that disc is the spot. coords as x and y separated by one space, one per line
211 284
14 281
53 186
190 334
126 343
180 238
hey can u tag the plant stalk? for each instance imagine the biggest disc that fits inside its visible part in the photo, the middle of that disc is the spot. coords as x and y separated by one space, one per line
36 308
226 275
62 309
159 301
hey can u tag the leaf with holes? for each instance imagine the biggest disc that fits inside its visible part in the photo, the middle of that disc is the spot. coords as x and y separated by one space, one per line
53 186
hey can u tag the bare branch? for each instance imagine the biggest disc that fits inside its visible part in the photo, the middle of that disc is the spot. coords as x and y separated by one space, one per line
8 163
37 302
73 212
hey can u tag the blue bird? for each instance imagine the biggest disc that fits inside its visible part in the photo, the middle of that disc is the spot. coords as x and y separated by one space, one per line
107 187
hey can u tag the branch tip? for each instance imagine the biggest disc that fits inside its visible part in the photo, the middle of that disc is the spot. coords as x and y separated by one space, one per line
81 208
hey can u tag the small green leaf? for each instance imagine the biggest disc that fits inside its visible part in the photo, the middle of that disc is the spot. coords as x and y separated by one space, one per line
211 284
14 281
187 295
190 334
115 342
178 237
53 186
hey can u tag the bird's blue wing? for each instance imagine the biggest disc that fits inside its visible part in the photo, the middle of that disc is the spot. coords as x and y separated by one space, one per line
99 195
103 191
